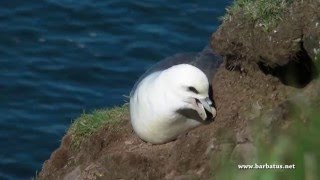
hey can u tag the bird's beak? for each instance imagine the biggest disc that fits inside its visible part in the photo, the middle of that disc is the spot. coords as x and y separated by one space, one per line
205 108
207 104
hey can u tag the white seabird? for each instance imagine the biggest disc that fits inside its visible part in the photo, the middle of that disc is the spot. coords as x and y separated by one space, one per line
174 96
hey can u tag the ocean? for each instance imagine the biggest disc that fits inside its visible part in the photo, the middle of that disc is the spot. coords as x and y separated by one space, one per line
59 58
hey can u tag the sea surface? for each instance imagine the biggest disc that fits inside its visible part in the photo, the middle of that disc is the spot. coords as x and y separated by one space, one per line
59 58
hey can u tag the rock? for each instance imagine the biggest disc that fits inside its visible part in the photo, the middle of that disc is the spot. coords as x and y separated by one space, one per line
73 175
244 135
244 153
128 142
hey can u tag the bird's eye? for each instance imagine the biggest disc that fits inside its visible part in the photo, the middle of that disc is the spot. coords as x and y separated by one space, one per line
190 88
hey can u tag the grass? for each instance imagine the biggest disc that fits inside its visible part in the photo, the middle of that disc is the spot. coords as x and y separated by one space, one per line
264 13
87 124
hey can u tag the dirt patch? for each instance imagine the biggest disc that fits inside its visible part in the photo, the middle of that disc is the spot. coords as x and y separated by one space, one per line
294 41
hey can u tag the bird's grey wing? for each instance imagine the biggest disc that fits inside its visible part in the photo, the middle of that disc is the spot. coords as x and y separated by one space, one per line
208 62
181 58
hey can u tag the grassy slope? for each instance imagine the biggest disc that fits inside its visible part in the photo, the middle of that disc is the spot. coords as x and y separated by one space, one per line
300 144
87 124
265 13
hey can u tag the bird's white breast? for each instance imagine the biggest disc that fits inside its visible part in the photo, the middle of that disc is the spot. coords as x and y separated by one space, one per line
153 111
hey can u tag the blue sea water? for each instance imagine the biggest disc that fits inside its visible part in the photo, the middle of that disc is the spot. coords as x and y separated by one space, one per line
61 57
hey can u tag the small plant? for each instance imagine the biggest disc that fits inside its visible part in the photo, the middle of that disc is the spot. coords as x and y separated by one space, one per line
264 13
87 124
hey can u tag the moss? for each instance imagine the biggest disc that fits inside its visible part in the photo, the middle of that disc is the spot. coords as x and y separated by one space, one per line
87 124
264 13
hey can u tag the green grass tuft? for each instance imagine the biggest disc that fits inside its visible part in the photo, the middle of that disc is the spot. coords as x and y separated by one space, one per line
264 13
87 124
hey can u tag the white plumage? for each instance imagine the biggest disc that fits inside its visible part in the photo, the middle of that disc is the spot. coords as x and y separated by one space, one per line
170 101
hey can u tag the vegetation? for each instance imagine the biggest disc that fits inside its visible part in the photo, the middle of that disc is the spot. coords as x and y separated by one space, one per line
299 146
264 13
317 56
87 124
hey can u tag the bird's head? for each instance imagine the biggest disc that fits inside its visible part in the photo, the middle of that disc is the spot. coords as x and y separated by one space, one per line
191 86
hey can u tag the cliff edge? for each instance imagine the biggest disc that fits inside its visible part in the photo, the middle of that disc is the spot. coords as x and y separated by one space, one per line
267 97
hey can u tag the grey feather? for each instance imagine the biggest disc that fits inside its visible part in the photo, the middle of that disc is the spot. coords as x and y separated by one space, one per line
206 61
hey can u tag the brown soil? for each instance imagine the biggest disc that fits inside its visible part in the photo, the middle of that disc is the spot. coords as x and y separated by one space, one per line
122 155
243 97
287 51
